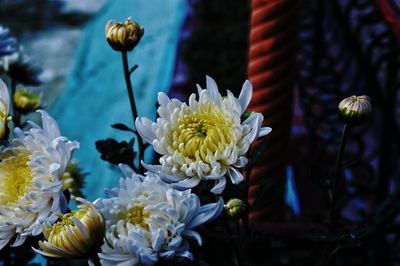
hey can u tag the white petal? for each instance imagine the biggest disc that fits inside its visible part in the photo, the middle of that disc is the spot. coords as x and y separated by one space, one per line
126 170
207 213
5 94
49 125
169 178
185 254
152 168
254 121
199 89
186 183
158 240
245 95
235 175
18 241
212 90
264 131
163 99
143 126
193 235
219 187
241 162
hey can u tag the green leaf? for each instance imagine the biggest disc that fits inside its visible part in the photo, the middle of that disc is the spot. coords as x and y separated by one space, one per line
122 127
116 152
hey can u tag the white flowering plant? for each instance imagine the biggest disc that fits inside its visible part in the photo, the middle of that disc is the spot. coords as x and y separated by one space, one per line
157 213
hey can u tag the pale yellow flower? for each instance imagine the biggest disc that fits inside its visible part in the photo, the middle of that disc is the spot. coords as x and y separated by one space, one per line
75 234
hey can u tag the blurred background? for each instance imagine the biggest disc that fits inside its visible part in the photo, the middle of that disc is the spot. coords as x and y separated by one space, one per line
303 58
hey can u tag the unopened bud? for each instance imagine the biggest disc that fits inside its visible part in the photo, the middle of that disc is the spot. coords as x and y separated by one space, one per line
123 36
235 208
26 101
75 234
355 110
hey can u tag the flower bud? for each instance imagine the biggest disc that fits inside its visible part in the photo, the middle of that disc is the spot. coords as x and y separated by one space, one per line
123 36
73 179
355 110
235 208
75 234
25 101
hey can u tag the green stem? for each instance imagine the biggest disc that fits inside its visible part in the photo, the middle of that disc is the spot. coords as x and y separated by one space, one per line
246 198
235 246
133 106
94 258
338 166
331 217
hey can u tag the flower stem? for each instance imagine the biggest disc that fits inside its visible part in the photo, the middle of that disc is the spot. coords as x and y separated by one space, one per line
338 166
236 249
94 258
132 102
331 216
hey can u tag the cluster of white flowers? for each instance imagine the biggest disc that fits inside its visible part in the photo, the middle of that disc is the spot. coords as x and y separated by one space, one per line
149 217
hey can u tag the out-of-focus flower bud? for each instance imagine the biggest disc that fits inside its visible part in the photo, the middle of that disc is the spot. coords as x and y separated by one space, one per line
235 208
24 72
73 179
355 110
123 36
7 45
75 234
26 101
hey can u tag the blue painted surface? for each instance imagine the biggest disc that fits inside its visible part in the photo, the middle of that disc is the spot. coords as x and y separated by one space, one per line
96 97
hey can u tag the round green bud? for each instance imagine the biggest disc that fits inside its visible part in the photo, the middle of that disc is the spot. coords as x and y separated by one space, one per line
355 110
235 208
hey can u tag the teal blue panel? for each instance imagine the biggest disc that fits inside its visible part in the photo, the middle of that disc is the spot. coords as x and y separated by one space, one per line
95 96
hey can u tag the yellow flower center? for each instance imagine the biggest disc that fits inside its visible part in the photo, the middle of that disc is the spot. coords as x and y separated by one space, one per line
136 216
205 130
58 233
59 229
15 175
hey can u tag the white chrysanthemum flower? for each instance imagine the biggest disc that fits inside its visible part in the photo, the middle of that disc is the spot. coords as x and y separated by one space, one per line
146 220
30 185
4 108
204 140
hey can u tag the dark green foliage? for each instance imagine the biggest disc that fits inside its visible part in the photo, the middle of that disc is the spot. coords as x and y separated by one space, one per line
25 72
116 152
122 127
